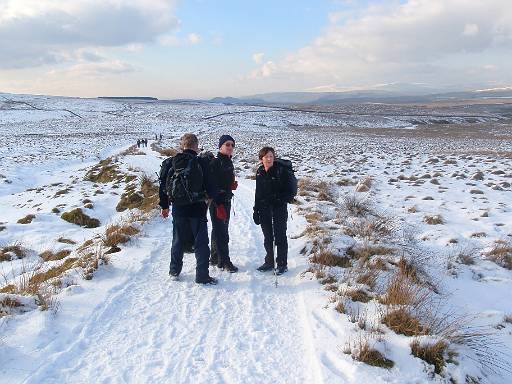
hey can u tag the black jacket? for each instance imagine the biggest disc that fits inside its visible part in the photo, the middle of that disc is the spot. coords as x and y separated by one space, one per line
222 174
196 209
272 187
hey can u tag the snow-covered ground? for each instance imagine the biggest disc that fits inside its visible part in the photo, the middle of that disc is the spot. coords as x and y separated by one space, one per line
129 323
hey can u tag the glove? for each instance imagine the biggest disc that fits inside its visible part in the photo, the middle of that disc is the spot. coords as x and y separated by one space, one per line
256 216
234 185
220 212
165 213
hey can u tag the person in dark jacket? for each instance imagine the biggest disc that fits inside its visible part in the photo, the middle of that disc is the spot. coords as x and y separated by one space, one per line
223 174
190 217
272 195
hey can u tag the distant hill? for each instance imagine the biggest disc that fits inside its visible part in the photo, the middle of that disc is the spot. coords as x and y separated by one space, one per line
392 94
144 98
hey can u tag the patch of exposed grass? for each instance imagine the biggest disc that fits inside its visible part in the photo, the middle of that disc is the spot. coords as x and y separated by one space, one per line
359 295
433 219
78 217
65 240
371 356
431 353
326 257
356 206
52 256
365 252
401 290
7 252
401 321
104 172
501 253
116 234
41 277
27 219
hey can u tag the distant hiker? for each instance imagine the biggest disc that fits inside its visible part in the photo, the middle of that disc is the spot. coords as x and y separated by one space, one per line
223 174
276 186
156 137
145 142
185 183
160 137
138 143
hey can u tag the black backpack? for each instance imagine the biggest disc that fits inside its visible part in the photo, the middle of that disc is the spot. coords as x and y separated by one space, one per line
184 185
287 167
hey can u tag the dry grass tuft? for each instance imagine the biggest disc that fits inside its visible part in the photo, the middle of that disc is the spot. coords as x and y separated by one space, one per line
167 152
65 240
501 253
433 219
39 278
27 219
356 206
401 321
146 199
52 256
365 252
327 258
401 290
78 217
431 353
359 295
364 353
7 252
103 172
371 228
116 234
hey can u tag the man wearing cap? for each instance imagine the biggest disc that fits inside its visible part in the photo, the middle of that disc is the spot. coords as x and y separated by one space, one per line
223 174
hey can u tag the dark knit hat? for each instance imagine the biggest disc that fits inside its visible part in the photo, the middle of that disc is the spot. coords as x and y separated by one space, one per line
225 138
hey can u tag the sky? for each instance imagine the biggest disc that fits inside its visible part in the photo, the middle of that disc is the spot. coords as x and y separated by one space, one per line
207 48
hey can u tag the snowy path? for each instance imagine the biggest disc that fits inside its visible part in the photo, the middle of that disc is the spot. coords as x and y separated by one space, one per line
153 330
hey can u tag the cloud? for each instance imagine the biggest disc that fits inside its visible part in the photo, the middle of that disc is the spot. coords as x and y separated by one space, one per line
36 32
419 40
175 41
258 57
193 38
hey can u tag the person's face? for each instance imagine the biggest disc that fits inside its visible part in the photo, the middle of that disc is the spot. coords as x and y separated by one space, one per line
195 148
268 160
227 148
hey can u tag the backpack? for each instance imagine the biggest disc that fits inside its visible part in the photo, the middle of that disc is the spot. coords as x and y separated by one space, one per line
287 167
185 185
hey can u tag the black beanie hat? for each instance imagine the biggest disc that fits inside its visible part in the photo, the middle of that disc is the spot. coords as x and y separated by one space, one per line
225 138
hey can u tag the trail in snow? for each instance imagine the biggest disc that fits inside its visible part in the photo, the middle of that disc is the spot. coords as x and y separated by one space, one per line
154 330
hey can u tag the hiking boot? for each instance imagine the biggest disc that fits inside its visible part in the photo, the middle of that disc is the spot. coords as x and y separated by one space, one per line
230 267
265 267
208 280
174 276
282 269
213 261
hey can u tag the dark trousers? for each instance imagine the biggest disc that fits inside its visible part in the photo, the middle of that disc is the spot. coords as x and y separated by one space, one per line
273 224
182 227
220 236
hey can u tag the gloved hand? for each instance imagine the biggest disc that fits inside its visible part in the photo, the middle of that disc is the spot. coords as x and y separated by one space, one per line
220 212
234 185
165 213
256 216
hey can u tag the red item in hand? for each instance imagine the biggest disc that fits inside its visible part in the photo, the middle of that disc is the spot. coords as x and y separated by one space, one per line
234 185
165 213
220 212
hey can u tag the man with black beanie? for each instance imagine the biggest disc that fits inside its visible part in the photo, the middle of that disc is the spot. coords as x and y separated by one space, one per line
222 173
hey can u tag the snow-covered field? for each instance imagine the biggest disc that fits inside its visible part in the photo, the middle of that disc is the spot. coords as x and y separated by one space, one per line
425 211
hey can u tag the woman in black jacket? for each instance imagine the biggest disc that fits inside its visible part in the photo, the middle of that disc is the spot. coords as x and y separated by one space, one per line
273 192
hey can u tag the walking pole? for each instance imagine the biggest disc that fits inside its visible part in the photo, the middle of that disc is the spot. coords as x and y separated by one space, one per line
275 265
